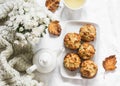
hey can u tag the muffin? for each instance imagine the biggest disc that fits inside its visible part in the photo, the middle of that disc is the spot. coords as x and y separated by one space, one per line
54 28
86 51
72 61
88 69
72 41
52 5
87 33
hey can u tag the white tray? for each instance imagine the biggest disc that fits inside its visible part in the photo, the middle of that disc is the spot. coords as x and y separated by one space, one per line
74 26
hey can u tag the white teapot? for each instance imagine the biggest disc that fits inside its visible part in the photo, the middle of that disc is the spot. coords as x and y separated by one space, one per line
44 61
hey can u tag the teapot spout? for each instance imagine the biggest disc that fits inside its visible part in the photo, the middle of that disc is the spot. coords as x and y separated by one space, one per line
31 69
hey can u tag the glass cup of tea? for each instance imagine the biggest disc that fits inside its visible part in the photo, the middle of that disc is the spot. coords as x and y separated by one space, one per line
72 9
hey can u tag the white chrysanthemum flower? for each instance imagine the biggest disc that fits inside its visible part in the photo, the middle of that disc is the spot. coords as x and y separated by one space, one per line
26 9
27 35
37 31
10 24
15 26
35 24
12 18
21 29
11 14
46 20
18 19
21 11
28 18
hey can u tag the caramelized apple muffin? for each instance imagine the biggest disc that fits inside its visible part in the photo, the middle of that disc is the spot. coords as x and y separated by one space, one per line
88 69
88 32
72 61
86 51
54 28
52 5
72 41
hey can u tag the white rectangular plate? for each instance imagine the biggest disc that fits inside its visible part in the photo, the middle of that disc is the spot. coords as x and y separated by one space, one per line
74 26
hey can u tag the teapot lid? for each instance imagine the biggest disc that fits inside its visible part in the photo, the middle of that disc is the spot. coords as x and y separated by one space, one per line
45 60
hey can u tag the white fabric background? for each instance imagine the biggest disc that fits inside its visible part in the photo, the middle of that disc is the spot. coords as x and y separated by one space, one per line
106 13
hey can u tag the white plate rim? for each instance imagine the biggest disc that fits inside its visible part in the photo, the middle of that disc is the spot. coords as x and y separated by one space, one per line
98 37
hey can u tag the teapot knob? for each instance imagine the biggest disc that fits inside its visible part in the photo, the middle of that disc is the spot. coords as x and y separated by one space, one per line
44 61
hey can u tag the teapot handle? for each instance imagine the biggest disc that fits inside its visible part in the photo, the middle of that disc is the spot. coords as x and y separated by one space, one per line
31 69
60 52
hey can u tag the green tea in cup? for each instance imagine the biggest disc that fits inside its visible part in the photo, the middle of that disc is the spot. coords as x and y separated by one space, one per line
74 4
